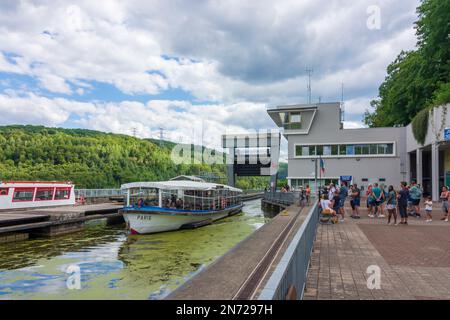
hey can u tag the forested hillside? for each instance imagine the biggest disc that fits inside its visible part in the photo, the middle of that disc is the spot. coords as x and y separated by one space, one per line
93 159
420 79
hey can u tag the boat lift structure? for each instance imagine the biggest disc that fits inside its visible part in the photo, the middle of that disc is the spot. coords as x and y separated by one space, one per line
252 154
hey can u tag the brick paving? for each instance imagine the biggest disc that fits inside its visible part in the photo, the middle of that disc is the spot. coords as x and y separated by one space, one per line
414 260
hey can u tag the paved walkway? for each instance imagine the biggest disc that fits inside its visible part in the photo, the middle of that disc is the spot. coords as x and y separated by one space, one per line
414 259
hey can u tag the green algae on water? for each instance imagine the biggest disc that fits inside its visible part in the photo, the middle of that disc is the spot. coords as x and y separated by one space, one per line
115 265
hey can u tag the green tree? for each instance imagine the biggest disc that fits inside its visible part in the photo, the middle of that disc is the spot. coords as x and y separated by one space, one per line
417 79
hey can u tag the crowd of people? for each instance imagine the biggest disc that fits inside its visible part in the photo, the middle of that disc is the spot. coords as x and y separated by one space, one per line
403 202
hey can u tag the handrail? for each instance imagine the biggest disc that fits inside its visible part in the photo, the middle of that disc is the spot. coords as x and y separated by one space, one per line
98 193
286 198
293 267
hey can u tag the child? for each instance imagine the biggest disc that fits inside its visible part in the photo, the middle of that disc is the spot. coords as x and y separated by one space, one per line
429 209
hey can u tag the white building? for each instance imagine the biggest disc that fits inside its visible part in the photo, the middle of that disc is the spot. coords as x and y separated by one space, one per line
386 155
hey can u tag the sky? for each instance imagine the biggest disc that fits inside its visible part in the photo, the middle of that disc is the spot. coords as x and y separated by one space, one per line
137 66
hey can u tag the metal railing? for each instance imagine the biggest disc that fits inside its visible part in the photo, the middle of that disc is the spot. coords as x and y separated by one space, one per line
293 267
98 193
286 198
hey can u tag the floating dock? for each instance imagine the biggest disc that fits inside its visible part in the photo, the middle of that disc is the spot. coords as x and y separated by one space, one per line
54 220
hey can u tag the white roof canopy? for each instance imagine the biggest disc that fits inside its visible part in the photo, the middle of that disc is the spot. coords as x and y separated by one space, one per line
179 185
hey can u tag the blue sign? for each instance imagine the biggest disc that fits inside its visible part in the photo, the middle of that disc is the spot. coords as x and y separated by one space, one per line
447 134
346 178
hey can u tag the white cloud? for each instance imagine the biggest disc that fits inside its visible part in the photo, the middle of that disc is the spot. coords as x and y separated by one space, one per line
241 56
31 110
182 121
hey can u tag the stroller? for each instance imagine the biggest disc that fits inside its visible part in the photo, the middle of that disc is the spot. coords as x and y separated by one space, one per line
327 216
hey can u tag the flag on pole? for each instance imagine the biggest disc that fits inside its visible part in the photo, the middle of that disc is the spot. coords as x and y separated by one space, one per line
322 166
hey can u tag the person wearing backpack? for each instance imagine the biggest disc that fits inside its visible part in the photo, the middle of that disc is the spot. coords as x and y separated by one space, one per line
416 194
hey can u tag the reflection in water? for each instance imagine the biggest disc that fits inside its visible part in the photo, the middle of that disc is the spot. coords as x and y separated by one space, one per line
115 265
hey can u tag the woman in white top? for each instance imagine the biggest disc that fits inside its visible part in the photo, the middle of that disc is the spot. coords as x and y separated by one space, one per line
327 205
331 191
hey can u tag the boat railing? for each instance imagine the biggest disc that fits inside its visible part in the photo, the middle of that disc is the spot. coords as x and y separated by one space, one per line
195 202
285 198
98 193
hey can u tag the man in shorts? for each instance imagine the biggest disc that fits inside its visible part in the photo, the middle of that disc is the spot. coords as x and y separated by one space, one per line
377 195
343 193
416 194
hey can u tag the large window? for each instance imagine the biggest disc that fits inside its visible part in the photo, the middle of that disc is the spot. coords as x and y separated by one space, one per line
334 150
23 194
350 149
296 118
44 194
294 121
366 149
319 150
62 193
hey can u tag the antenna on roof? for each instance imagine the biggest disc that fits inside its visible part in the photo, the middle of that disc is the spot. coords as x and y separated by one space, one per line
342 103
309 72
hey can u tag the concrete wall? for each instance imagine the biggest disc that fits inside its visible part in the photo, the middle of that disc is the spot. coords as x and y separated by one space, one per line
326 128
446 166
412 144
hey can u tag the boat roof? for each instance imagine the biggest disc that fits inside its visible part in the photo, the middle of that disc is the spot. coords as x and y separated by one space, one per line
187 178
37 182
179 184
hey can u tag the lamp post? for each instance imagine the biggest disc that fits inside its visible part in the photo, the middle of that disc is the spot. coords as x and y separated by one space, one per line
315 173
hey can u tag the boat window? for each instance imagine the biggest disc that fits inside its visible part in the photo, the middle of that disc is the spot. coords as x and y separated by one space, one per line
62 193
44 194
144 197
23 194
4 191
172 199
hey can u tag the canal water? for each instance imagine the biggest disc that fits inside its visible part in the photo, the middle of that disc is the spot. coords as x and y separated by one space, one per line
115 265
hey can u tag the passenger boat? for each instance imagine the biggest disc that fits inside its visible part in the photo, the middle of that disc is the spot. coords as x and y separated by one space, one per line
178 203
35 194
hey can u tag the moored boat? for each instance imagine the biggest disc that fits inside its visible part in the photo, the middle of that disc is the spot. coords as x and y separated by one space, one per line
35 194
171 205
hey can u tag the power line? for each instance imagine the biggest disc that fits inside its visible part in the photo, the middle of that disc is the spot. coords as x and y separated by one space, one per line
161 135
134 130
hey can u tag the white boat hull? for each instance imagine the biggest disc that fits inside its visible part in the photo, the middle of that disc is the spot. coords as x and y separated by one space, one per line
153 222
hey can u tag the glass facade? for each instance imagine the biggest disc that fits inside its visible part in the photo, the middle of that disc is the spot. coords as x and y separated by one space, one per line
345 149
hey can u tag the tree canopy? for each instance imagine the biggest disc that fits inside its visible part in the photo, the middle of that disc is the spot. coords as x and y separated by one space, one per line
93 159
420 78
